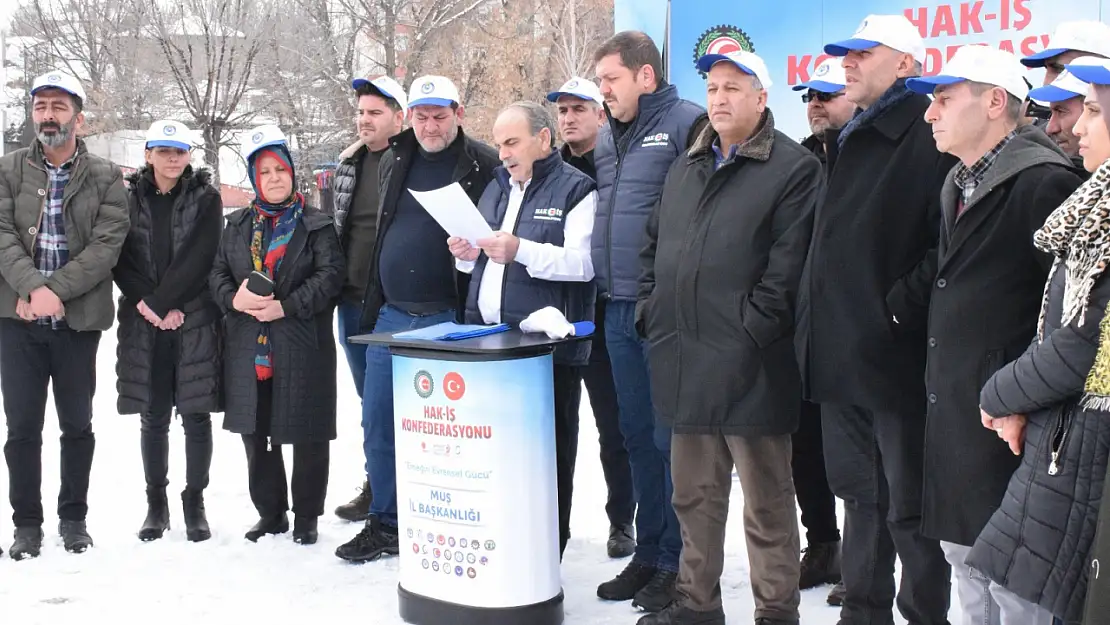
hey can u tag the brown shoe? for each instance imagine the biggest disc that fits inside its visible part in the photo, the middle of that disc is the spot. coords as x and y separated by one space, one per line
836 595
820 565
357 509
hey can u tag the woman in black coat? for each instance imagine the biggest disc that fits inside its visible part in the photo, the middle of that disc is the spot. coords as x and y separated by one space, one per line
168 352
279 356
1050 405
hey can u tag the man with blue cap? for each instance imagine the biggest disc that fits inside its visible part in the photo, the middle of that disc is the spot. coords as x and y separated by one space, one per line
826 107
1064 95
1009 179
381 115
63 220
862 314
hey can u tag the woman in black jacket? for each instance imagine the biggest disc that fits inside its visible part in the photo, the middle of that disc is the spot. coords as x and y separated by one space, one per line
1051 404
168 353
279 357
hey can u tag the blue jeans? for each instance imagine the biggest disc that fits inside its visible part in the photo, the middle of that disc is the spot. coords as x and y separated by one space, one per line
658 539
377 410
349 315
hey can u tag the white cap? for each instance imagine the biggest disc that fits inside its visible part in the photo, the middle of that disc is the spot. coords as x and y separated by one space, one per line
892 31
827 78
59 80
261 137
748 62
1085 36
433 91
982 64
169 133
579 88
1065 87
1090 70
387 87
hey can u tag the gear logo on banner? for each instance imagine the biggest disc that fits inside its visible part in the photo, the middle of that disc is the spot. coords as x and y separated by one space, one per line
423 384
722 39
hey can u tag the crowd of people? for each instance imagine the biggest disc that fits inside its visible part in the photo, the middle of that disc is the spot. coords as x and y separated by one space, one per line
905 311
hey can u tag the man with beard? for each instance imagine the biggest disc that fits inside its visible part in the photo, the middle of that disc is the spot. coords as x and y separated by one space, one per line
63 221
408 290
381 115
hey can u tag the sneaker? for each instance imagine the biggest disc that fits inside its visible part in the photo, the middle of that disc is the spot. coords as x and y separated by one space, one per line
28 543
658 593
374 541
677 614
836 595
622 541
820 565
75 536
357 509
627 583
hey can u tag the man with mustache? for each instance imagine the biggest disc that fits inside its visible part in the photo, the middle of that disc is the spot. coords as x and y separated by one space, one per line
412 281
580 118
63 221
542 213
381 115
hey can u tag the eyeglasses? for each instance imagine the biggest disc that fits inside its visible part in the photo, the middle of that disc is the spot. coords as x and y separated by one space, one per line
820 96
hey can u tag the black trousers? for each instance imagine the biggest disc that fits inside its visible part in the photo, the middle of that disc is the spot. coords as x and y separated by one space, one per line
568 394
266 467
33 356
620 505
155 423
811 482
875 464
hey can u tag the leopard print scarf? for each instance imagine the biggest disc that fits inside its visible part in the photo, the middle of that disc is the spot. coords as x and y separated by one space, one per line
1077 233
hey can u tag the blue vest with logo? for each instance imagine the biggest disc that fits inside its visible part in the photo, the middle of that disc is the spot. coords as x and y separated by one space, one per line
556 188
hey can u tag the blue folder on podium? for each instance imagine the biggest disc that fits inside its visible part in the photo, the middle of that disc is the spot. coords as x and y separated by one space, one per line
451 331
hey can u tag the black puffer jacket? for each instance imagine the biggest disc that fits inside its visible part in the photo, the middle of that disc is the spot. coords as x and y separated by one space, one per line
1037 544
307 285
197 218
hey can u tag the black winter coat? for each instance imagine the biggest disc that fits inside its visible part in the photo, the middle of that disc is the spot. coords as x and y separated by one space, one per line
872 258
980 320
1038 543
197 221
724 255
307 285
473 172
1098 589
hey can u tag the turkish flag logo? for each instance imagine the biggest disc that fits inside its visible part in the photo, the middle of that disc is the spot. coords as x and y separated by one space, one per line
453 386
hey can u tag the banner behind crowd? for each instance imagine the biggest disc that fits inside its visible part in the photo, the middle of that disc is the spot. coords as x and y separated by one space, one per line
789 34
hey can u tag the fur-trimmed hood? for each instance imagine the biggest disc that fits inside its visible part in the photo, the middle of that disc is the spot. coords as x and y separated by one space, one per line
758 147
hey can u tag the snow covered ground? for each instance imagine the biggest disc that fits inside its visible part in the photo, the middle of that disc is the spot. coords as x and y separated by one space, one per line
228 579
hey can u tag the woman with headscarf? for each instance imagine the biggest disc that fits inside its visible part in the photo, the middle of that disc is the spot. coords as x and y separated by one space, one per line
168 353
1051 404
277 275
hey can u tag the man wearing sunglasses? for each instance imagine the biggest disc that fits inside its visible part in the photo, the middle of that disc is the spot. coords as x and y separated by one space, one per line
826 106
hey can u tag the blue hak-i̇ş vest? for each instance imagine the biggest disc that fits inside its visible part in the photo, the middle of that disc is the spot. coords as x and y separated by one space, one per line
556 188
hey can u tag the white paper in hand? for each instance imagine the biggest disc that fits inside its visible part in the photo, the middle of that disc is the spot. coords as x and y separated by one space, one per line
452 209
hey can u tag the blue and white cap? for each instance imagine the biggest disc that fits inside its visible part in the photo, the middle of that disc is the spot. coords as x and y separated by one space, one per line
892 31
433 91
1065 87
578 88
1082 36
169 134
1090 70
386 86
981 64
747 62
827 78
261 137
58 80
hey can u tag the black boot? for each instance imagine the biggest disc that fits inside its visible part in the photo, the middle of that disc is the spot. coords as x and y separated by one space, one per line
677 614
157 515
196 521
622 541
304 530
28 543
75 536
278 524
374 541
627 583
820 565
659 592
358 508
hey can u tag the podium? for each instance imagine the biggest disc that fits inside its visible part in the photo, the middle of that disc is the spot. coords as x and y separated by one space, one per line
477 507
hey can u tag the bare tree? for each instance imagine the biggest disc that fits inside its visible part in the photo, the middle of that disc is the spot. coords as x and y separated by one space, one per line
210 49
577 27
